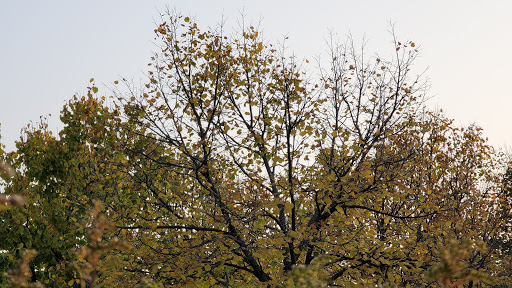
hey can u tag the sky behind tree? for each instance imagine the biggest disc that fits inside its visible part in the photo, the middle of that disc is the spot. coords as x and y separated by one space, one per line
50 49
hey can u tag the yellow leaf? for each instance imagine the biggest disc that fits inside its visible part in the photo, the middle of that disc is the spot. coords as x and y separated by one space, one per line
154 269
288 207
294 234
187 19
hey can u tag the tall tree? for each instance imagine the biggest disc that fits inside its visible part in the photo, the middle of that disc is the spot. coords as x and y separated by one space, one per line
58 178
246 167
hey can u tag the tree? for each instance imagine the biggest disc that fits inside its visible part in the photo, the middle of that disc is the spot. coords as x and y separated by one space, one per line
235 166
246 167
58 179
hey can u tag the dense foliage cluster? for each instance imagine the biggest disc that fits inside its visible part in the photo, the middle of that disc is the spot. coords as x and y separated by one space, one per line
236 166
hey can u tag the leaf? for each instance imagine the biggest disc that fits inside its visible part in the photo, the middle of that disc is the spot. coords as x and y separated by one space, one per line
288 207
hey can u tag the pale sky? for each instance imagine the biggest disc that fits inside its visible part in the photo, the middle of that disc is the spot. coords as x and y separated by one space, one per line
50 49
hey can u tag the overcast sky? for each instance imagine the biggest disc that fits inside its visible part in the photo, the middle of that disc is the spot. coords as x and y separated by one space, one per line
50 49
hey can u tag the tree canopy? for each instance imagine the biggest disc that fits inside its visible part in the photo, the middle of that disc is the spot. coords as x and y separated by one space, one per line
240 165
